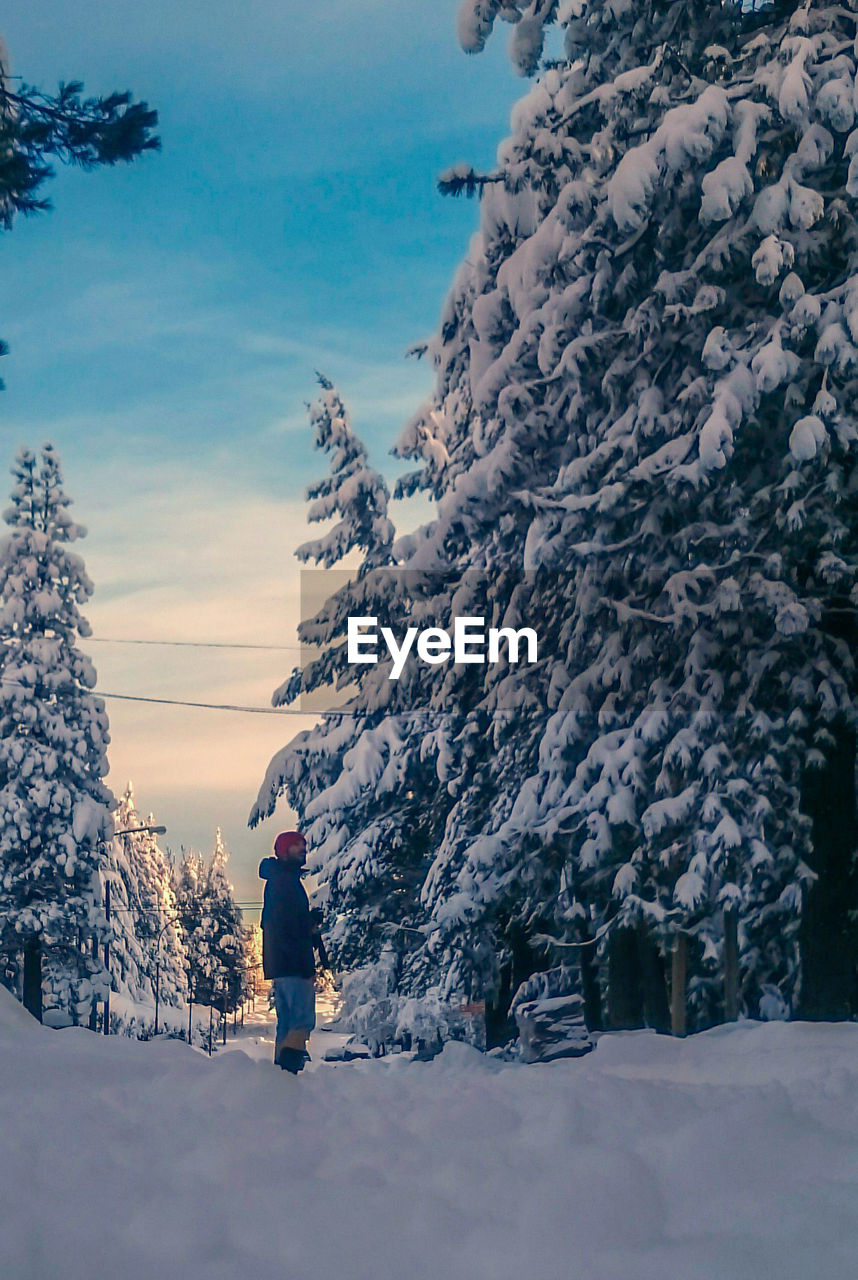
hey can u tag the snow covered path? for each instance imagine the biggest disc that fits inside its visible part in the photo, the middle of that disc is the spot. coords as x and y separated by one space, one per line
731 1156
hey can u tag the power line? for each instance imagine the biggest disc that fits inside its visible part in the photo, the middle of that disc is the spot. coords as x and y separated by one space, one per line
192 644
296 711
261 711
171 702
210 706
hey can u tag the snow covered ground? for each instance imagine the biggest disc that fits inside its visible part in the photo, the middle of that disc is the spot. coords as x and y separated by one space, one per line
730 1156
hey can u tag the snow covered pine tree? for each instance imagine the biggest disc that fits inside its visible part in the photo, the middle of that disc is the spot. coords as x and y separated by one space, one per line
214 940
188 885
37 129
351 779
129 966
146 946
645 397
227 939
54 807
663 297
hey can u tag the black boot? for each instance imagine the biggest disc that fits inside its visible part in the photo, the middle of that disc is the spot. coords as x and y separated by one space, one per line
291 1060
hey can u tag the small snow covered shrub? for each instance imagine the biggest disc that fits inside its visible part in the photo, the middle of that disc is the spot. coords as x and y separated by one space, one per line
374 1010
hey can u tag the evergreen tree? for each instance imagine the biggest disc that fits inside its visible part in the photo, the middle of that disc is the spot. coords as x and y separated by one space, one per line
254 980
129 961
364 819
189 884
54 806
211 929
661 301
37 129
644 401
146 947
227 943
159 928
353 490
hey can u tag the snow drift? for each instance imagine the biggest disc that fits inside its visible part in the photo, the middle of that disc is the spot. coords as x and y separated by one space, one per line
732 1154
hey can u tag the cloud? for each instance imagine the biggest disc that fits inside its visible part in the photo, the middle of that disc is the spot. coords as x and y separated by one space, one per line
268 48
206 560
209 563
234 398
169 317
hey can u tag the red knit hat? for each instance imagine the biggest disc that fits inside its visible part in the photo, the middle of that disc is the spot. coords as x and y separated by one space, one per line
285 842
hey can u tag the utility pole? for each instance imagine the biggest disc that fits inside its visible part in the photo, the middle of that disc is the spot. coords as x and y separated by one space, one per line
157 989
164 926
107 958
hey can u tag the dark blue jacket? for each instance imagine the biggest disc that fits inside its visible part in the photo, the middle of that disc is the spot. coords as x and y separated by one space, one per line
287 929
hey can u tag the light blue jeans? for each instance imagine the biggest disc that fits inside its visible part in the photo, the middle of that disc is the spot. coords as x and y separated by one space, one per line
295 1005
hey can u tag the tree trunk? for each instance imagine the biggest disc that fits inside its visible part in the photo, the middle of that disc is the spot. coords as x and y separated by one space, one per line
590 988
625 997
731 965
33 979
522 963
829 947
656 1008
679 986
498 1029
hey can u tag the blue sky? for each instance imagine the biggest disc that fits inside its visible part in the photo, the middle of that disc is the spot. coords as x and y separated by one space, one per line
166 319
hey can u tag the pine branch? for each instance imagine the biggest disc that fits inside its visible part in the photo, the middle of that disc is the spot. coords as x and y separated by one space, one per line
463 180
36 128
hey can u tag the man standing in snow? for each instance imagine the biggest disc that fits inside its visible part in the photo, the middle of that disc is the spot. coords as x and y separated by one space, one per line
289 937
